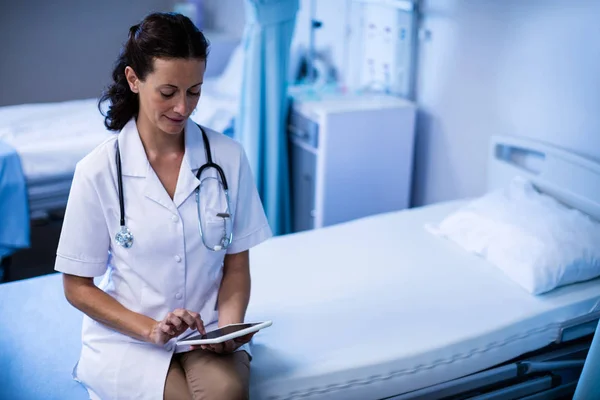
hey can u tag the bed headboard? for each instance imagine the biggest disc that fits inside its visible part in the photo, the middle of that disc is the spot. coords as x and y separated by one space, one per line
570 178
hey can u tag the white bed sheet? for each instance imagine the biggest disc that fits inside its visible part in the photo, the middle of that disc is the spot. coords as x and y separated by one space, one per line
379 307
52 137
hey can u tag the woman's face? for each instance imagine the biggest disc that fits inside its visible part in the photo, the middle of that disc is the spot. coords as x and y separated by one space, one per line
170 92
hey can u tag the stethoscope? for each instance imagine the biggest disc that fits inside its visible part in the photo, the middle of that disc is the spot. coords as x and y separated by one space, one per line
124 237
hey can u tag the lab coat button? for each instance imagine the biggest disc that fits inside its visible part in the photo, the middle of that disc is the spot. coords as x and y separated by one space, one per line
177 258
175 218
178 296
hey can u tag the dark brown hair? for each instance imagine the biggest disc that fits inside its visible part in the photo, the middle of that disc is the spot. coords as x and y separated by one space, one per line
159 35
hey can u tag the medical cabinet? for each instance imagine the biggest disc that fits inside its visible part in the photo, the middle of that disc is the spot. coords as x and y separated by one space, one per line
351 156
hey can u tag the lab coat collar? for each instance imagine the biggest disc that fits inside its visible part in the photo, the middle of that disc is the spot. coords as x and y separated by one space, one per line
134 162
133 156
194 145
193 158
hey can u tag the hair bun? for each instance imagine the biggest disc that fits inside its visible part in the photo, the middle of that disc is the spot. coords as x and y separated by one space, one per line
133 30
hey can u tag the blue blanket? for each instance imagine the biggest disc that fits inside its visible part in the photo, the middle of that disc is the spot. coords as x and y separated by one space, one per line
14 206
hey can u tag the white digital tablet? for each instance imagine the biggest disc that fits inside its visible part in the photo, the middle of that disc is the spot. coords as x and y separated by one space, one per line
223 334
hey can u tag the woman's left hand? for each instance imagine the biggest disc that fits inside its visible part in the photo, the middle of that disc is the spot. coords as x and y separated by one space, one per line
226 347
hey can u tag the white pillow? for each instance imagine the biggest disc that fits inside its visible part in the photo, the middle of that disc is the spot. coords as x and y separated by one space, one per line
536 241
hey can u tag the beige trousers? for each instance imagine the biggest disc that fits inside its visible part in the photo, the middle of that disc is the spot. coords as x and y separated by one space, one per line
201 374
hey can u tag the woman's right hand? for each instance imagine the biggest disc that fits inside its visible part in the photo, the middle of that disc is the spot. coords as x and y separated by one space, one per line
174 324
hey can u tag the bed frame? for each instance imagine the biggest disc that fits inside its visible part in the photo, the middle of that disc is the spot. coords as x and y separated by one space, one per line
47 203
549 373
552 372
48 197
570 178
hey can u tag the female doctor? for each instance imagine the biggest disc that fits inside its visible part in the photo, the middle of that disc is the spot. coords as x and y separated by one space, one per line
166 212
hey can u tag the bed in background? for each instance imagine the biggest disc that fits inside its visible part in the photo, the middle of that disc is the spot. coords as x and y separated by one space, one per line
50 138
375 308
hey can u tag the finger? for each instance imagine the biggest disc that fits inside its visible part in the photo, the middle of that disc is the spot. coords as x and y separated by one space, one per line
223 348
165 328
245 338
198 323
217 348
229 346
175 321
211 347
191 319
185 317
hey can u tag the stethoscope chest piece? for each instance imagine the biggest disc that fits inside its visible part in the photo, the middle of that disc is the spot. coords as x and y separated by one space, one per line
124 237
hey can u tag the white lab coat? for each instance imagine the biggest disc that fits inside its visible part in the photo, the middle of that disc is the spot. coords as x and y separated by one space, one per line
167 267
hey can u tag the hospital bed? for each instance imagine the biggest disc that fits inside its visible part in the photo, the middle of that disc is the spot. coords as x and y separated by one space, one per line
376 308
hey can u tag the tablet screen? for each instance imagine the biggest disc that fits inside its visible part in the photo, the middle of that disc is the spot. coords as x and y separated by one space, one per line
226 330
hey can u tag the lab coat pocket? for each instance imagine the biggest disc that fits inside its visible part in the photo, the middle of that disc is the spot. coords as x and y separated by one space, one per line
216 229
214 215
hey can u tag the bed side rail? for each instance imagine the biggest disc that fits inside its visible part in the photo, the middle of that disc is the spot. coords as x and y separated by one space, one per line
552 373
578 327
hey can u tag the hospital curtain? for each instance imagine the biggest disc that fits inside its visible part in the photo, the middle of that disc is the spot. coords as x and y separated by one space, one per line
261 122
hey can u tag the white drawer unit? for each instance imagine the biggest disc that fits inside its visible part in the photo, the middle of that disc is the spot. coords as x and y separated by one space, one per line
350 157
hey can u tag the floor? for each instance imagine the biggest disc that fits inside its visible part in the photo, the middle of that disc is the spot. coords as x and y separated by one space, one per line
39 258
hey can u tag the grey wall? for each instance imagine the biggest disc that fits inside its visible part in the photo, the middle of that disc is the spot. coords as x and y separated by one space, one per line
63 49
227 16
518 67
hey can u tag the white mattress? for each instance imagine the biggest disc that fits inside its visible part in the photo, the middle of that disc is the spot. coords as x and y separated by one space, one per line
379 307
51 138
